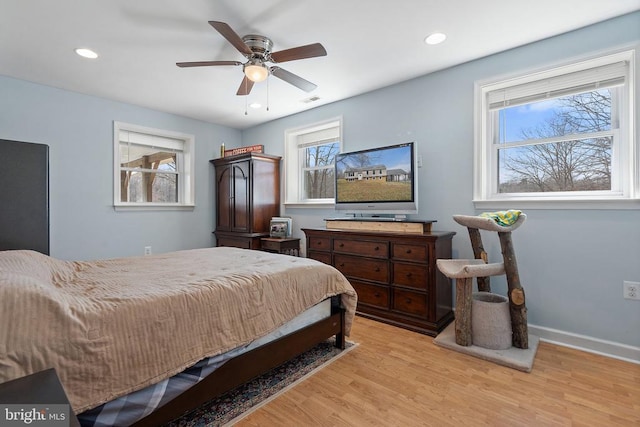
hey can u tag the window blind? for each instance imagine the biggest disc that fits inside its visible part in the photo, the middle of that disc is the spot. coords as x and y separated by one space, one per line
140 138
317 137
606 76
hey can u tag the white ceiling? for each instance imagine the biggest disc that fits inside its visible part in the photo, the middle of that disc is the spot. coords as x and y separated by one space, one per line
370 44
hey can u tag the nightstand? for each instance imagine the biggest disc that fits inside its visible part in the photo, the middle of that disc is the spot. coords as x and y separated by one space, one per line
287 245
41 391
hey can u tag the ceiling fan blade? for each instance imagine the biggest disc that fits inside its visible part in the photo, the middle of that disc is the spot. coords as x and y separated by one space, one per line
293 79
245 87
300 52
227 32
206 63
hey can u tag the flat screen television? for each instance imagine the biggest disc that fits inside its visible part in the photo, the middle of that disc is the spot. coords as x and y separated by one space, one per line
377 180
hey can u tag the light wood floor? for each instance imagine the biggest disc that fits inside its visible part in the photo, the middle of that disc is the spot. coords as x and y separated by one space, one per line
400 378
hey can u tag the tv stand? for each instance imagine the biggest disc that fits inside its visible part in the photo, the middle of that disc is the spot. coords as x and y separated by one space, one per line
383 224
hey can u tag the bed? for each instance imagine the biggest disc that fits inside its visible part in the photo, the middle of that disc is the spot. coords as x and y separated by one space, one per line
113 327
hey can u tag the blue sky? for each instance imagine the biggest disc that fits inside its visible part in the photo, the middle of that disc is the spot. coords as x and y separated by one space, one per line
524 117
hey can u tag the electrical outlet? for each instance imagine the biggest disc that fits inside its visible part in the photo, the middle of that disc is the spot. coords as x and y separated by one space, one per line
631 290
147 250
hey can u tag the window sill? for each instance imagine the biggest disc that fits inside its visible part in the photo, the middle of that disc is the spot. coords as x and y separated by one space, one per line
152 207
584 204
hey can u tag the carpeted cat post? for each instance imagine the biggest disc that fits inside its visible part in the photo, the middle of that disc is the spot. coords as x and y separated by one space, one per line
488 325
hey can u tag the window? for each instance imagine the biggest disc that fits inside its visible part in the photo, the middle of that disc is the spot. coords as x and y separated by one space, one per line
559 135
309 163
152 168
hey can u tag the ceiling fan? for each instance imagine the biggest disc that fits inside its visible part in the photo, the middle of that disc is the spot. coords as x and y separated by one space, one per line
257 50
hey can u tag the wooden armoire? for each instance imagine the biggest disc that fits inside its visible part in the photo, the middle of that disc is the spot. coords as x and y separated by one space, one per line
247 197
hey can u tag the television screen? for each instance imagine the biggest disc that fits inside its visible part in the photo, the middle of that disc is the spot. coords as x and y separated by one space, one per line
377 180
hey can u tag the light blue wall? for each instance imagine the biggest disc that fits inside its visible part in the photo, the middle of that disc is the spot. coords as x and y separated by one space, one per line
572 263
79 132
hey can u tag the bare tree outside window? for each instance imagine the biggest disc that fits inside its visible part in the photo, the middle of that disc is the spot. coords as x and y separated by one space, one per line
568 148
318 170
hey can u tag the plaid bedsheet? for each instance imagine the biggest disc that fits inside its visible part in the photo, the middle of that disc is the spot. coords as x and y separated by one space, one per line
128 409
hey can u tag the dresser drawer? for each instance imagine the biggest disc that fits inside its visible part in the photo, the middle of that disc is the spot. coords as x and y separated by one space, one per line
418 253
362 268
319 244
410 275
408 302
377 296
320 256
377 249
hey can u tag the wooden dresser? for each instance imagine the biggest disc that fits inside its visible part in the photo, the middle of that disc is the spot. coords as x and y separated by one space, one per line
394 274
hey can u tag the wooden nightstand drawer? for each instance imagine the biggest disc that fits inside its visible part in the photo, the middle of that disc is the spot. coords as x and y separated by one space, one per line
410 275
417 253
319 244
362 268
408 302
288 246
377 296
375 249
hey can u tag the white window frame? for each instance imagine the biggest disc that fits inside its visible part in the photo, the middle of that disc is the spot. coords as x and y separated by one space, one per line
293 163
185 164
625 178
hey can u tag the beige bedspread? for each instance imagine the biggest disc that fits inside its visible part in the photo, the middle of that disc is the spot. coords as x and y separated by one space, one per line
114 326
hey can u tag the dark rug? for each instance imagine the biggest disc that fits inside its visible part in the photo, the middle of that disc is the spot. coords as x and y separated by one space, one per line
242 400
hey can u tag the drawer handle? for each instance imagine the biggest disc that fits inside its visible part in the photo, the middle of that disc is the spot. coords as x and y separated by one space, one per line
342 264
408 251
408 300
377 295
408 275
377 248
377 270
318 243
341 245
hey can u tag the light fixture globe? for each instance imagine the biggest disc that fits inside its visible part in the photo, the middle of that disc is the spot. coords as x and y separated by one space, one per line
256 71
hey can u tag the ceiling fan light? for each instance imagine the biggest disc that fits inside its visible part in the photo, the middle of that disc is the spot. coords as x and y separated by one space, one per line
256 72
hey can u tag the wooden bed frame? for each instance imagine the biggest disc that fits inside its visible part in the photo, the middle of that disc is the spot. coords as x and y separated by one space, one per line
234 372
249 365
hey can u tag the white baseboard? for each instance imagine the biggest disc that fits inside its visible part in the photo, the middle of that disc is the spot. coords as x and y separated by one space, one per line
612 349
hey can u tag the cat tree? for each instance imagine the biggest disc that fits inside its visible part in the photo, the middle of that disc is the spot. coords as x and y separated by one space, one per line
465 270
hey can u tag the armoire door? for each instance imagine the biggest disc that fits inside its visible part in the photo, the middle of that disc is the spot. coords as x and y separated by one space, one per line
240 208
223 197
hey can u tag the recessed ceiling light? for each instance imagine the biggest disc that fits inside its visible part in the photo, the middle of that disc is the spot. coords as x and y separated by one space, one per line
435 38
312 99
86 53
255 105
